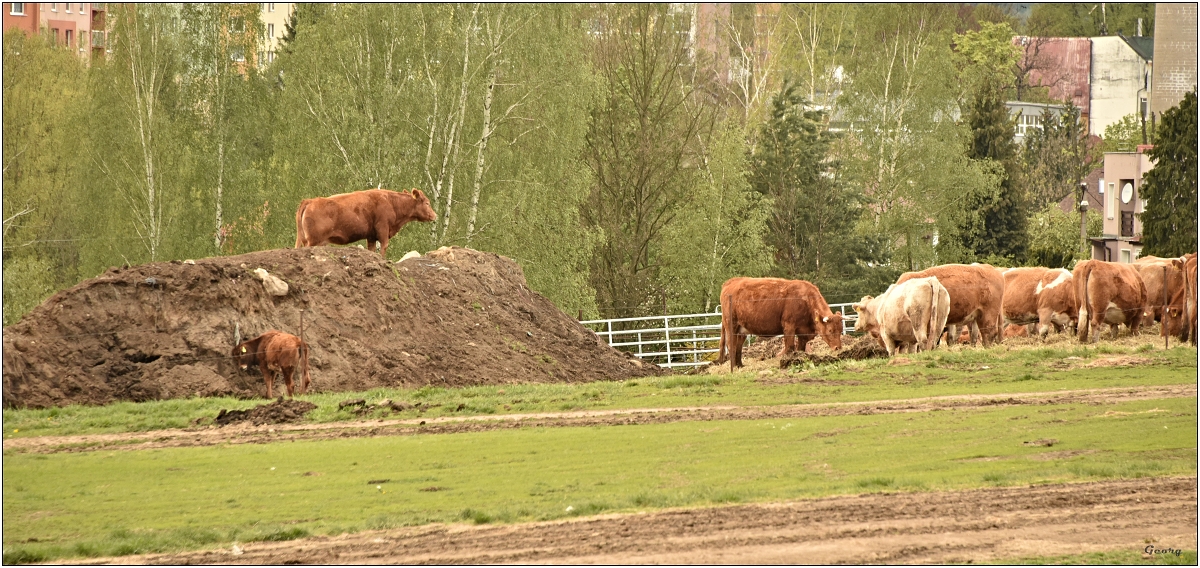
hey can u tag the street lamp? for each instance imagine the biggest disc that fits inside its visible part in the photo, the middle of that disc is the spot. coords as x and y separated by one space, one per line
1083 207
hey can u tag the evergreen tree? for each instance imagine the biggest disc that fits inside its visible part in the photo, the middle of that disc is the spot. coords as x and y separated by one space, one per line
1003 232
1169 221
814 214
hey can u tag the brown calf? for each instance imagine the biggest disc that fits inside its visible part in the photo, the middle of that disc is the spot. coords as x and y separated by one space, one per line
1109 293
767 307
275 351
375 215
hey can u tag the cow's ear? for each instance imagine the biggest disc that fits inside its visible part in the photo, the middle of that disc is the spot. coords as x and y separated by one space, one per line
825 319
417 193
858 307
243 349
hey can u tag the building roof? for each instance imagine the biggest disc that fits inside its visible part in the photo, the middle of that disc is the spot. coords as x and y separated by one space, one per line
1144 46
1064 64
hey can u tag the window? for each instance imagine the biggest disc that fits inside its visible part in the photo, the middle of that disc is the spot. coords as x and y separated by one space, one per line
68 7
82 40
238 55
53 6
17 9
1125 256
270 31
270 6
69 37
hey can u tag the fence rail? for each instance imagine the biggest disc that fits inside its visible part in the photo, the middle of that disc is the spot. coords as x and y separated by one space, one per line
678 340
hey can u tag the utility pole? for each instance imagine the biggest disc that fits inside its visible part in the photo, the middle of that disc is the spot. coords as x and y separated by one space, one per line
1083 207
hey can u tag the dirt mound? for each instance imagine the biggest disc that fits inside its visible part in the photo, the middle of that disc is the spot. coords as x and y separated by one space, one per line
453 317
279 412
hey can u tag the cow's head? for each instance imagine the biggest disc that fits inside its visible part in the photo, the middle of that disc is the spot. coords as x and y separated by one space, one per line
866 316
243 356
422 210
830 329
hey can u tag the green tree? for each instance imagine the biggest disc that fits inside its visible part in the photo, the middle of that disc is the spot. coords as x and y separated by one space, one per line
1091 19
1169 221
987 59
814 214
1125 135
43 99
1054 236
718 233
902 148
1057 157
1003 233
644 148
143 159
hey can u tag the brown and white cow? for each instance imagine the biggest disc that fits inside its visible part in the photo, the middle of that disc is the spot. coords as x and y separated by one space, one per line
375 215
1109 293
1165 296
976 298
767 307
275 351
908 316
1041 296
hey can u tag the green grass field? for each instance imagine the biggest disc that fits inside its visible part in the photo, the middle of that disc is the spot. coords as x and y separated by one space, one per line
941 372
103 503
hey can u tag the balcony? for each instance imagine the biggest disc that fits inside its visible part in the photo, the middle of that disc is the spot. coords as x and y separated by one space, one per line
97 39
97 6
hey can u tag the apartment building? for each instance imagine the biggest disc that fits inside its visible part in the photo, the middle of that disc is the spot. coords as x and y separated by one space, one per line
1120 79
78 26
275 16
1122 183
1175 68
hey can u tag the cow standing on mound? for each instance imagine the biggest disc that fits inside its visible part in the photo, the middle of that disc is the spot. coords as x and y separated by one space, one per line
1042 296
909 315
767 307
375 215
275 351
976 296
1109 293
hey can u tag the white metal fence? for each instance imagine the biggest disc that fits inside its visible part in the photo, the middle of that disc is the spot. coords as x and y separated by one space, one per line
679 340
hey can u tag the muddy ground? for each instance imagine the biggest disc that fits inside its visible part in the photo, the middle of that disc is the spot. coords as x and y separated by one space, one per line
974 526
453 317
263 432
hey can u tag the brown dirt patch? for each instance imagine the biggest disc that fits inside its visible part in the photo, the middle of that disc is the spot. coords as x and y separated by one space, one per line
881 528
453 317
279 412
251 434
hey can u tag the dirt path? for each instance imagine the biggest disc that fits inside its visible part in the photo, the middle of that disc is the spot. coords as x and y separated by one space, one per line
947 527
249 434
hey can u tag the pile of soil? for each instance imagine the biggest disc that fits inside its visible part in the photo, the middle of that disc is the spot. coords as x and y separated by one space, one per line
454 317
279 412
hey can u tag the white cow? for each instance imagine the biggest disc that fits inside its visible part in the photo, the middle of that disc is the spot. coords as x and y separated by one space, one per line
910 314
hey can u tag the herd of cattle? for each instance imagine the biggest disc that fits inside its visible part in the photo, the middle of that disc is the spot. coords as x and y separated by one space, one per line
910 315
988 303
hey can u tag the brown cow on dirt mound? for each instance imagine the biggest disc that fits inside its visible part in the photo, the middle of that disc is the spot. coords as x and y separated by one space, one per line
1041 296
375 215
1108 292
767 307
275 351
1167 306
976 296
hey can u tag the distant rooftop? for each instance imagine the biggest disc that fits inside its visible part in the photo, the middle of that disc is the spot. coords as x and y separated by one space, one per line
1144 46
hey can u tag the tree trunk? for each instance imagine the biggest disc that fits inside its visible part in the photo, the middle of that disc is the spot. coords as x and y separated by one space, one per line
483 141
456 132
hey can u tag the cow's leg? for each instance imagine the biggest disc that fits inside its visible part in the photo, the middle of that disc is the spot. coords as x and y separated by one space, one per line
976 336
268 376
888 343
737 340
288 372
789 340
952 334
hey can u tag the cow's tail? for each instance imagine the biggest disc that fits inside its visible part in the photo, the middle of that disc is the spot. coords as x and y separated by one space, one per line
301 237
933 310
1081 296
